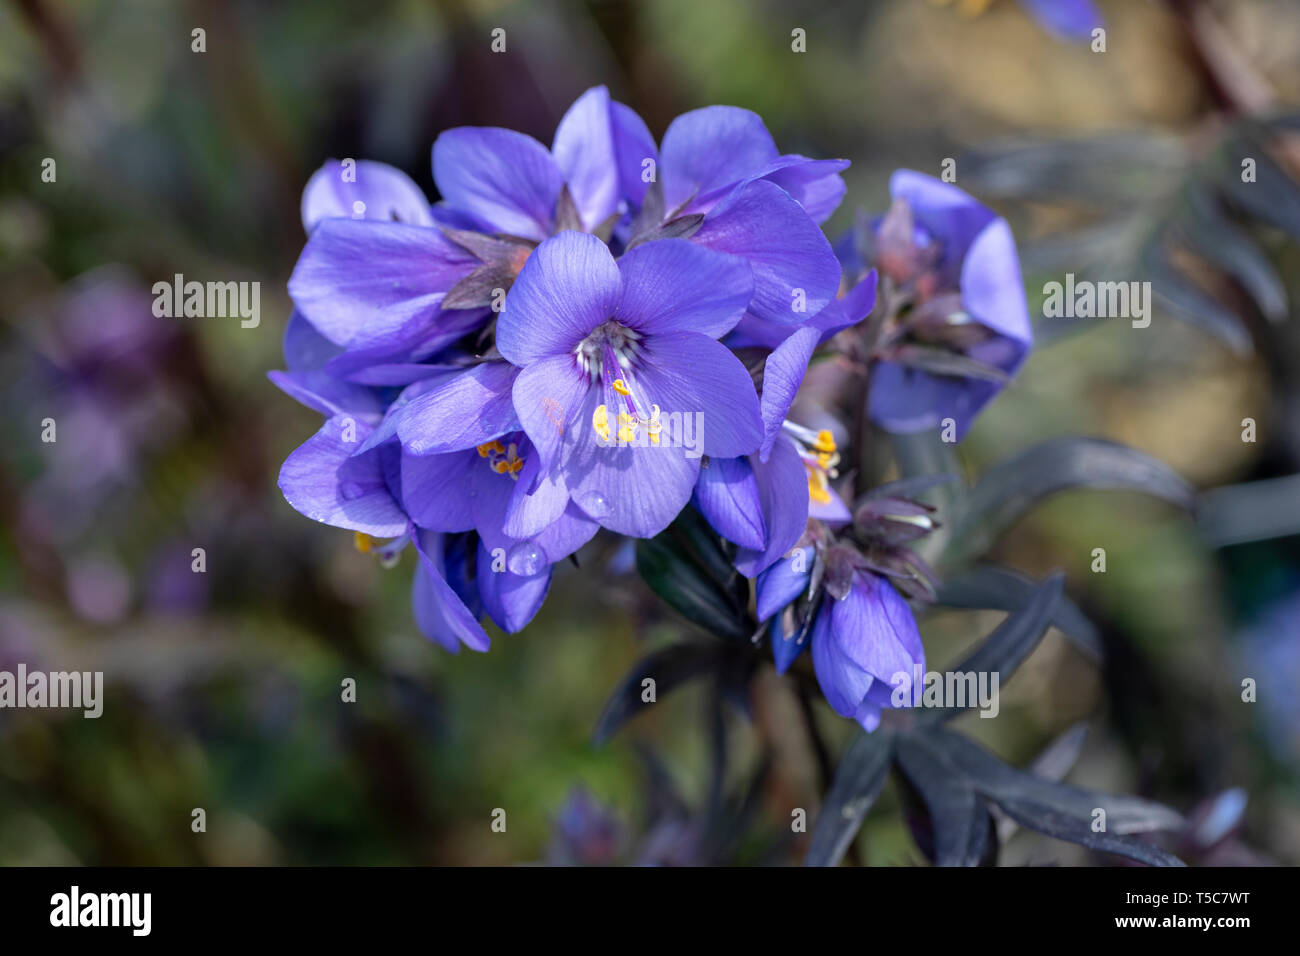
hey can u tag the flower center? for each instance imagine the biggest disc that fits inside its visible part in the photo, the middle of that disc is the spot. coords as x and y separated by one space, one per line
820 458
609 356
503 459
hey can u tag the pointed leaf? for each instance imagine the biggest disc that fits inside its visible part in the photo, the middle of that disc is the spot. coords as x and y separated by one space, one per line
1008 490
1010 643
958 815
990 587
668 668
858 781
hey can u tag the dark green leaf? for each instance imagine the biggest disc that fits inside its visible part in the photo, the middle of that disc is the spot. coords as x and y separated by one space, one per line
858 780
1000 782
958 815
990 587
1253 511
1062 826
1010 643
679 578
1217 238
1184 299
1010 489
1274 197
668 668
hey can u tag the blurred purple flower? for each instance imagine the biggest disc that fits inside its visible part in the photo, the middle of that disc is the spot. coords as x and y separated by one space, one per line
954 262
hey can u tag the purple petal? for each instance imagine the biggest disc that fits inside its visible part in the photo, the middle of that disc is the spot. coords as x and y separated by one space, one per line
439 611
436 489
780 584
844 683
584 150
633 145
358 281
672 285
689 374
1070 20
761 223
709 149
505 180
876 629
322 480
632 489
540 496
566 534
782 375
510 599
548 398
786 648
992 287
304 347
328 395
569 285
416 339
727 495
783 489
468 409
815 184
384 192
944 210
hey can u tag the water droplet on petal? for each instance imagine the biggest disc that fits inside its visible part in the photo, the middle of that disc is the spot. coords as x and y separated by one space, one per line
350 490
595 504
526 559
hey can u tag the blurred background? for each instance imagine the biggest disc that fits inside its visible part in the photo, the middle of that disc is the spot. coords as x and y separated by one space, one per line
223 688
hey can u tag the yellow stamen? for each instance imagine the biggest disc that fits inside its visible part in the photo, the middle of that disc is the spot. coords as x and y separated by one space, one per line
818 490
825 442
621 387
493 446
600 422
363 542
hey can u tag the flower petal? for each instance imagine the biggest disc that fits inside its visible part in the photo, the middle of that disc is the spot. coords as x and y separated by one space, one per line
439 610
569 285
784 581
709 149
511 600
692 376
793 263
505 180
384 192
328 395
322 480
992 287
783 488
782 375
673 285
468 409
815 184
727 495
359 281
436 489
584 150
304 347
549 396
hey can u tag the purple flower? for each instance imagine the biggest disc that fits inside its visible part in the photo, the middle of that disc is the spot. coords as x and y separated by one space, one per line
762 501
862 632
861 642
719 180
1069 20
623 384
966 330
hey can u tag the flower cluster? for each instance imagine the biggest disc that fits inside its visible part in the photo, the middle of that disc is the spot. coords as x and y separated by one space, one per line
602 333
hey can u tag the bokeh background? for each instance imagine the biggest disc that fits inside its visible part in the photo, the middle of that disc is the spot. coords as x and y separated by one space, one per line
223 688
